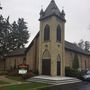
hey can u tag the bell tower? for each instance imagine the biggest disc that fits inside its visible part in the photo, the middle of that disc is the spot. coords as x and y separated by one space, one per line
51 41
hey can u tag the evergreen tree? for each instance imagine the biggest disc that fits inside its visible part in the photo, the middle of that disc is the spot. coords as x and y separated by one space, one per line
20 33
81 44
12 36
87 45
75 64
1 34
4 33
0 7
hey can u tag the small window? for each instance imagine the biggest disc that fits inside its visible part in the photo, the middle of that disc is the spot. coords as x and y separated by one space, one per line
58 33
47 33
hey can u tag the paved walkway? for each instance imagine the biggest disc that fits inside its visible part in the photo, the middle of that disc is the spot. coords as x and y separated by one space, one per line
53 78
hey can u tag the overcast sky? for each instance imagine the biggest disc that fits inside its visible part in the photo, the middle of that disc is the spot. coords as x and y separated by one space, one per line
77 15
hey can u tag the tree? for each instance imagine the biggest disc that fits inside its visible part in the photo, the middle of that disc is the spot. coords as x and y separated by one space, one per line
12 36
81 44
0 6
19 33
87 45
1 29
75 63
4 33
22 33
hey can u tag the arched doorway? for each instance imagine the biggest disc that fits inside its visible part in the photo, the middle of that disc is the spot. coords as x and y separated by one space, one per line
46 63
58 65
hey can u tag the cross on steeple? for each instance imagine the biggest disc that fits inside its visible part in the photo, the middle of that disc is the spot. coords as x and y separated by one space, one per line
41 6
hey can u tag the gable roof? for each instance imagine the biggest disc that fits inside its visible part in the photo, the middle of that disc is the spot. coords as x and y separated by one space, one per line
31 44
17 52
52 10
68 45
75 48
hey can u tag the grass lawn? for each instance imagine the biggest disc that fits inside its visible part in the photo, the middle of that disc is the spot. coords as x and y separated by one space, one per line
17 78
26 86
3 82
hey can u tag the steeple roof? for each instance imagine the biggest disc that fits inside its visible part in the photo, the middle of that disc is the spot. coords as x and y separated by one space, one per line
52 10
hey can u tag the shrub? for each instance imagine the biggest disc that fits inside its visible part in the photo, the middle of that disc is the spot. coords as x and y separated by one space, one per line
28 75
13 72
3 72
72 72
75 63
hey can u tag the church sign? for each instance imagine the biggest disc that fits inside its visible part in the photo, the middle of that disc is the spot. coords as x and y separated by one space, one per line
23 69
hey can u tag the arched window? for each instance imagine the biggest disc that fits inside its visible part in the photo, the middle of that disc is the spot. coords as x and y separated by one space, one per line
58 33
47 33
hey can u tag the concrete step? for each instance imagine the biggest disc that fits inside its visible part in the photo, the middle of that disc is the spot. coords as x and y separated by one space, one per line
55 82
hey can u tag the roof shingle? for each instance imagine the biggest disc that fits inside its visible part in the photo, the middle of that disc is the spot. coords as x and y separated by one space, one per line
51 10
17 52
75 48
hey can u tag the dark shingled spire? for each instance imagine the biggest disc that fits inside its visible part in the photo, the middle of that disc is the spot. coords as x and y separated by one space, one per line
52 1
52 10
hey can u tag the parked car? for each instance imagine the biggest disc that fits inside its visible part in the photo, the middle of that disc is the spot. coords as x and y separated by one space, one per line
86 75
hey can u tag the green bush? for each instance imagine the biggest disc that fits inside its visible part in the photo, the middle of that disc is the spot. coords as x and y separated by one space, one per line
13 72
3 72
75 63
28 75
72 72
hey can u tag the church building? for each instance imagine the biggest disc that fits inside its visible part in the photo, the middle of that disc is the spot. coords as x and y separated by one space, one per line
49 53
